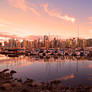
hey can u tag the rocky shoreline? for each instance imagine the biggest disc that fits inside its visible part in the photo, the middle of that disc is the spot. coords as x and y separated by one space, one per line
9 84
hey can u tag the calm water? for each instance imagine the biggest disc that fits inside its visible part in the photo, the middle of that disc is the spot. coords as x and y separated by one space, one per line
71 72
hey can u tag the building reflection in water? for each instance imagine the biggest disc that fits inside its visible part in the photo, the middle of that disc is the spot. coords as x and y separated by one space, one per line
65 69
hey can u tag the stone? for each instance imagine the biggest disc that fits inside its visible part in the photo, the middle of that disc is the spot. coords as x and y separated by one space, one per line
6 86
12 72
90 89
5 70
25 90
18 84
68 90
47 91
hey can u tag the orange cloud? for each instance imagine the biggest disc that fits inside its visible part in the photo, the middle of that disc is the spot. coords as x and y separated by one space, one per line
33 37
51 13
90 18
34 11
21 4
18 4
2 25
67 18
7 35
57 14
4 22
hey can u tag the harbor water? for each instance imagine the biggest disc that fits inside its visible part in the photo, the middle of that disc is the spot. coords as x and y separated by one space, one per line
68 71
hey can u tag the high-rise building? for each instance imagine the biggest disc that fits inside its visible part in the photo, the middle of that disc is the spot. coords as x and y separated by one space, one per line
12 43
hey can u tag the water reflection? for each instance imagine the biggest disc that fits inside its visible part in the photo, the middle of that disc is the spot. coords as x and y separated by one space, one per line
71 76
69 71
90 66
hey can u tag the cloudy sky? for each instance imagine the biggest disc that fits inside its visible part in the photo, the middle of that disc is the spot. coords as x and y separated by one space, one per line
22 18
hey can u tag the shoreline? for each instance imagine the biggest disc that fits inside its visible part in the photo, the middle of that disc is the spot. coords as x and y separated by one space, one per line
10 84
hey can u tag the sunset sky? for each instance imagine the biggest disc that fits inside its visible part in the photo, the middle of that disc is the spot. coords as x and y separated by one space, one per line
24 18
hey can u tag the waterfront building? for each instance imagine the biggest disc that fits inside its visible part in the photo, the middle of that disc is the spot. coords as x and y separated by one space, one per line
89 43
39 44
0 45
55 43
6 44
12 43
18 44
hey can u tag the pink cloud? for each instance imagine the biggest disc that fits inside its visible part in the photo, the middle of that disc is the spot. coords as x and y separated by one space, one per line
6 35
2 25
4 22
21 4
18 4
34 11
12 36
33 37
90 20
51 13
57 14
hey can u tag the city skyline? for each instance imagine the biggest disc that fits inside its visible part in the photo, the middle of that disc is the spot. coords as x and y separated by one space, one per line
31 19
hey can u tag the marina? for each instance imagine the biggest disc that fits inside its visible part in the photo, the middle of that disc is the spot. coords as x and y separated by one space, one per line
48 53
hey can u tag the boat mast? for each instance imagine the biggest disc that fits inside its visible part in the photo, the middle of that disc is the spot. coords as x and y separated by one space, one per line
77 34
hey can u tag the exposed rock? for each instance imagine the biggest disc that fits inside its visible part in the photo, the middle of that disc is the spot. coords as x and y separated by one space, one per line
6 86
7 76
5 70
12 72
19 84
91 90
68 90
25 90
47 91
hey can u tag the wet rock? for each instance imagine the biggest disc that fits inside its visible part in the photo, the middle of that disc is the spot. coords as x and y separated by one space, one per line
6 86
29 82
39 84
68 90
19 80
7 76
5 70
25 90
47 91
12 72
90 90
41 91
87 88
19 84
34 84
1 75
